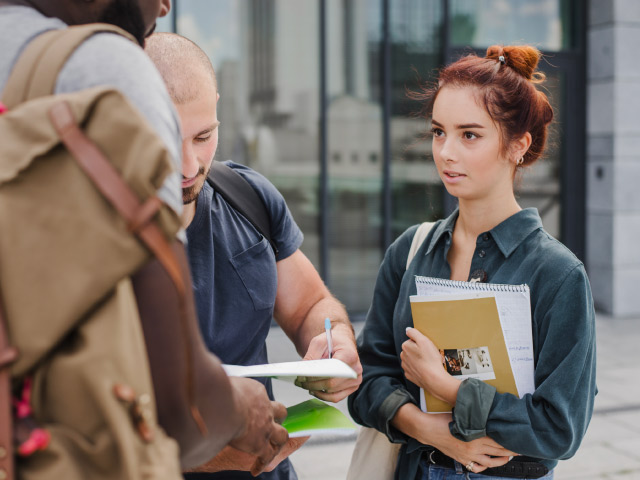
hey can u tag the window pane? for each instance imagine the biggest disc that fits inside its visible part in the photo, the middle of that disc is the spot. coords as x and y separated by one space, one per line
265 56
546 24
415 55
164 24
354 149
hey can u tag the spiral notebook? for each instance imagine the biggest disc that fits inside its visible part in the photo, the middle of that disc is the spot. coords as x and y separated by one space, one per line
503 346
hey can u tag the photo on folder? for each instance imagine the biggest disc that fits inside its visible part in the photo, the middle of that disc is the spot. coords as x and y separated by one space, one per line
468 333
473 362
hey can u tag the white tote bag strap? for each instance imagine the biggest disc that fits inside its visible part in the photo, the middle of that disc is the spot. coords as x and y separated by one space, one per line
418 238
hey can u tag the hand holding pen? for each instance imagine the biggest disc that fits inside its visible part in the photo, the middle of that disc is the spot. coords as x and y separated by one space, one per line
337 341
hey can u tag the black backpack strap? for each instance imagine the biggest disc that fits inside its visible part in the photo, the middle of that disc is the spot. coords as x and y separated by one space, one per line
241 196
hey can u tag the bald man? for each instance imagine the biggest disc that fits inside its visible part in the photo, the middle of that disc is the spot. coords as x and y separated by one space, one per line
240 283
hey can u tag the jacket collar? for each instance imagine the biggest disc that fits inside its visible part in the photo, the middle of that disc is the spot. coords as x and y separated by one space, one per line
508 235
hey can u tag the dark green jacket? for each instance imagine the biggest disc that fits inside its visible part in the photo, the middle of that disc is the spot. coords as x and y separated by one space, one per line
548 424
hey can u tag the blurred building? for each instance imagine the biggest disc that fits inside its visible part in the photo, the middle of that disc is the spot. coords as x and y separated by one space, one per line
314 96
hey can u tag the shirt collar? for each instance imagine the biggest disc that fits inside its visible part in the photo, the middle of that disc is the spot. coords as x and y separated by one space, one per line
444 227
508 235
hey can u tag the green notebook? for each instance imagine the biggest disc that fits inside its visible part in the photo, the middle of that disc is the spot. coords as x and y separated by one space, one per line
315 417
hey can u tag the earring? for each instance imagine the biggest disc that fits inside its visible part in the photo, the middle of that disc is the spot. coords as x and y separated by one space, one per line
520 161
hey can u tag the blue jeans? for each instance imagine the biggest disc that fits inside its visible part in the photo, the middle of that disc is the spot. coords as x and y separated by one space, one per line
436 472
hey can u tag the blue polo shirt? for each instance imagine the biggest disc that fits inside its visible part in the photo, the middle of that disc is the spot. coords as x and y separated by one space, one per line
235 281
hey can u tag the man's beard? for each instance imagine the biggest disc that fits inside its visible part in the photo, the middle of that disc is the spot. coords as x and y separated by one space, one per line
127 15
190 194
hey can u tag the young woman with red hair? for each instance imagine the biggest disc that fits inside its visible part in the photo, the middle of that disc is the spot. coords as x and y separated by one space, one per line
488 122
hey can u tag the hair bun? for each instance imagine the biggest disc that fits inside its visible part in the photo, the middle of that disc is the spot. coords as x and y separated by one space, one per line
523 59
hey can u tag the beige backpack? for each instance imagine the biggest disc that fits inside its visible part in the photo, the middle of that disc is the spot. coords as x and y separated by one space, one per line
79 215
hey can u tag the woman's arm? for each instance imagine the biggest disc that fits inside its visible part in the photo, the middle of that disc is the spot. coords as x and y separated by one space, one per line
549 423
383 388
433 429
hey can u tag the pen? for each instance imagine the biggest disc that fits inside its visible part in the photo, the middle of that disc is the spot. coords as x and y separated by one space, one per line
327 329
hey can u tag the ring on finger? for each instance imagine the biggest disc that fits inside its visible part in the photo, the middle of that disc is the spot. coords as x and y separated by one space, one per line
470 466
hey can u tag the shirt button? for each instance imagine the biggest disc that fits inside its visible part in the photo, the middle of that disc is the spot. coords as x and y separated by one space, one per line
481 254
485 237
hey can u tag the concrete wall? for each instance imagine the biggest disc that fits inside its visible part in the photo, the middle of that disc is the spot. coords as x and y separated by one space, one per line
613 155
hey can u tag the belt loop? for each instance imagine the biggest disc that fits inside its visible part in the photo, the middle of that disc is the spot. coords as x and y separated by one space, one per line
459 468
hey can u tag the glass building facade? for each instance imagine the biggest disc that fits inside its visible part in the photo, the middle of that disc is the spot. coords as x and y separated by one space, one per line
313 94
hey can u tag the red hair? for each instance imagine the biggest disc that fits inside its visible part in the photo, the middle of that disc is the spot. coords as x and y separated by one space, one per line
506 80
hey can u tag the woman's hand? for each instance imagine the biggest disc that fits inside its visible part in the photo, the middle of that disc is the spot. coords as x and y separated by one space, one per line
433 429
423 365
483 452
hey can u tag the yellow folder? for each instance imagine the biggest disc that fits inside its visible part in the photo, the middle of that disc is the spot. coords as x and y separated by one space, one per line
469 336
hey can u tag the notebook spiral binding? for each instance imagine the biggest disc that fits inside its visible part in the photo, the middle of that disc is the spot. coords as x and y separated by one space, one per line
483 287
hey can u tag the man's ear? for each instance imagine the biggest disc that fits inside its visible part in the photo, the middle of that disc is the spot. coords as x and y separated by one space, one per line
165 8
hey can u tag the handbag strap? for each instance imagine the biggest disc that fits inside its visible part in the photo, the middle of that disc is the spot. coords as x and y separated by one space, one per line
418 238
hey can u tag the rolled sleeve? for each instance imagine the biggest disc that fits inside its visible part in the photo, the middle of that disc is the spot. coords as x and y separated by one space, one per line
471 412
388 410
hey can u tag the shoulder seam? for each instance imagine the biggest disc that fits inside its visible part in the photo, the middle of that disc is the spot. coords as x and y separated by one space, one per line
562 279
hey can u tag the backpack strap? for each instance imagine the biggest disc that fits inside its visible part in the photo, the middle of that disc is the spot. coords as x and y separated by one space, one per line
239 193
36 71
139 217
7 355
418 239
